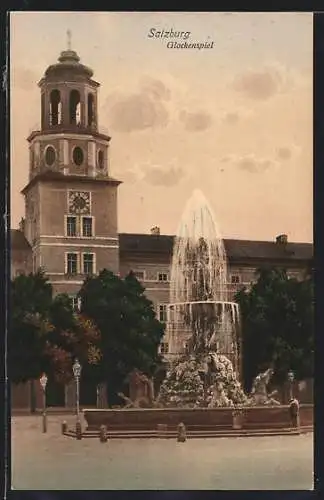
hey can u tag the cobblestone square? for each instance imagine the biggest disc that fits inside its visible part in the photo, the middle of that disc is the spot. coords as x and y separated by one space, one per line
51 461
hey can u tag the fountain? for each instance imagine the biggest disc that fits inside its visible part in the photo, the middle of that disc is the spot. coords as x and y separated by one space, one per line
202 323
200 316
202 386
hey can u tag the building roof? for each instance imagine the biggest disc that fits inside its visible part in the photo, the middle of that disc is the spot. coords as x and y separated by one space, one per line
18 240
235 249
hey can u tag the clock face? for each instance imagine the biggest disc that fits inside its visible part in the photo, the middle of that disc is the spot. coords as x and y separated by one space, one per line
79 202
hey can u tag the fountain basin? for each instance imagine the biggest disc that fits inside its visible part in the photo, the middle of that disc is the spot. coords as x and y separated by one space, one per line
196 419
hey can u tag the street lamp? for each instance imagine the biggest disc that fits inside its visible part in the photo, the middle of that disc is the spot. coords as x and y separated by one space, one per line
77 373
43 382
291 378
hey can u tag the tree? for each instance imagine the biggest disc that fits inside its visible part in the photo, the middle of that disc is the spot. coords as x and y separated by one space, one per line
73 335
31 298
130 332
277 325
45 334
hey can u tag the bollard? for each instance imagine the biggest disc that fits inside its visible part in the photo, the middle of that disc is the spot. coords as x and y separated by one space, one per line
78 430
237 422
182 435
162 430
44 422
294 413
64 427
103 434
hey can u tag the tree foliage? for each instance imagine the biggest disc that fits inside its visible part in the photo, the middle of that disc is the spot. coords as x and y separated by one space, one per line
277 325
130 332
45 335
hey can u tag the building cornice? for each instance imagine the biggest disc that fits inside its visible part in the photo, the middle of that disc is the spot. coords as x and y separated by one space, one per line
51 176
60 132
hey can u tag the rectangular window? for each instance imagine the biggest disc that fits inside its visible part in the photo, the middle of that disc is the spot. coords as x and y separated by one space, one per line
162 313
162 277
235 279
72 263
88 263
71 226
164 348
87 229
140 275
76 303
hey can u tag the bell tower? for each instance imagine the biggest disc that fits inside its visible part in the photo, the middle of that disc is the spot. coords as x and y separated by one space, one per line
71 199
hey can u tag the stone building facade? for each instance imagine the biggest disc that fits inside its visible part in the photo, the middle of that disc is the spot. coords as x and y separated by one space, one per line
70 224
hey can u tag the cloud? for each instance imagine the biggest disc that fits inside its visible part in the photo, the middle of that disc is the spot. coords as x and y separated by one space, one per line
129 176
156 89
250 163
262 85
231 118
24 78
197 121
158 175
284 153
139 111
154 174
234 116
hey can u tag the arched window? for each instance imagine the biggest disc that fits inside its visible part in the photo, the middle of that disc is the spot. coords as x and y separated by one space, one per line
55 107
43 109
91 111
75 107
101 161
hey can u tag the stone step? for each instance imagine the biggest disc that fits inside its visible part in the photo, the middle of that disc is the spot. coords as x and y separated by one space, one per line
192 434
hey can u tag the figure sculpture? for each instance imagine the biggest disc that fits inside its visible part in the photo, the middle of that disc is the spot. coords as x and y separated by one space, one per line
259 394
141 391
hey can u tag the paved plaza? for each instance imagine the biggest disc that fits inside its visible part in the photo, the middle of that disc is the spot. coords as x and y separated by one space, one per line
52 461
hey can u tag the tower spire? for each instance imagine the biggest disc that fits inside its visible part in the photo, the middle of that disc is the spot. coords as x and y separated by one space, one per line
69 36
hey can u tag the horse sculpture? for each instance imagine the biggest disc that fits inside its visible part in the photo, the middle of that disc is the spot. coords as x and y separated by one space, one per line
143 391
259 394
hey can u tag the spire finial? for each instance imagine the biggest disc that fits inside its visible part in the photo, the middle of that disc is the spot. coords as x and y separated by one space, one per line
69 36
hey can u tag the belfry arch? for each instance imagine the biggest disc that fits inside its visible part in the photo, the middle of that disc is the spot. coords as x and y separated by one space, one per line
55 107
91 110
75 107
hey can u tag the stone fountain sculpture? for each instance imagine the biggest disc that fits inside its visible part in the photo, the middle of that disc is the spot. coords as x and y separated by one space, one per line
203 324
259 393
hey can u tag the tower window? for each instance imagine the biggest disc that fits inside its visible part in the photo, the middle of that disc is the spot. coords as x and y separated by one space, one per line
88 263
91 114
55 107
75 107
78 156
72 263
162 277
87 227
100 159
50 156
71 226
163 313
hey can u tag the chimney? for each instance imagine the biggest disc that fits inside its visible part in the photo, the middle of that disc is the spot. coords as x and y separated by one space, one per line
282 239
22 225
155 230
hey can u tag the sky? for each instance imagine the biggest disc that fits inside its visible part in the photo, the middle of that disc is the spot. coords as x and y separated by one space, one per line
234 120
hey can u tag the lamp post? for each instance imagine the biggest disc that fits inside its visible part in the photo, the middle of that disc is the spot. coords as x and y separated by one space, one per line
43 382
77 373
291 378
